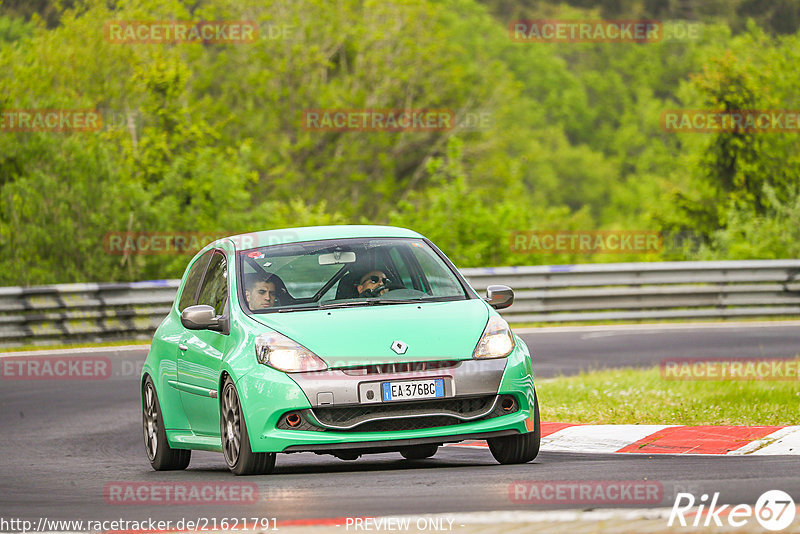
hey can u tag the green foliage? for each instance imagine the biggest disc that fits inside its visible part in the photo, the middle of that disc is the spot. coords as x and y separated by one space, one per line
479 235
739 177
209 137
56 211
772 235
775 16
13 29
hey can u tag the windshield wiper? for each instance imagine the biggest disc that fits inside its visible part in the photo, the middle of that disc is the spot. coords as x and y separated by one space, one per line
372 301
348 303
295 308
402 301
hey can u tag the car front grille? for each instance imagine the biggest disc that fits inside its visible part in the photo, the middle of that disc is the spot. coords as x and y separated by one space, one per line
399 367
385 417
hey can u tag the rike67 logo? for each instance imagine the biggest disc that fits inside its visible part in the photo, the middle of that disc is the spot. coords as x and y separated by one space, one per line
774 510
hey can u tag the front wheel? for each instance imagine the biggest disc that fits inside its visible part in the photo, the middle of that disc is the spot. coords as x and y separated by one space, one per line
162 457
520 448
239 456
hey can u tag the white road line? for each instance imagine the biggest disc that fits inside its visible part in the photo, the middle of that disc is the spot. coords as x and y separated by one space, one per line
77 350
522 516
655 328
598 520
473 518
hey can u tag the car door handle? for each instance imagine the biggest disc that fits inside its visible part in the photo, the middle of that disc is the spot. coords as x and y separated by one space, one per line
183 347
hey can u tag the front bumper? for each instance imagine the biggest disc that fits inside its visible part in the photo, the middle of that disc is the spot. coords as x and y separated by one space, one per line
316 393
345 387
391 416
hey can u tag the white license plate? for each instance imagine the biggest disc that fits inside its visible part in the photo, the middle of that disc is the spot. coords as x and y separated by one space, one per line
412 389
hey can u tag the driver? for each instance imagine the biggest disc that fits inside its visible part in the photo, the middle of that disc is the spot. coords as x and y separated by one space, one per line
373 284
260 291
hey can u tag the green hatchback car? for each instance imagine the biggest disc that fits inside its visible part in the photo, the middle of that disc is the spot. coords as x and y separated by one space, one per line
341 340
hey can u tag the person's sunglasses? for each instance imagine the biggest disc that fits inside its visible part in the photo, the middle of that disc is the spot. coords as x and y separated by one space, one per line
375 279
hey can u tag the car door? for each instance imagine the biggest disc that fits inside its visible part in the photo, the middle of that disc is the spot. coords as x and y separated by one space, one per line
201 352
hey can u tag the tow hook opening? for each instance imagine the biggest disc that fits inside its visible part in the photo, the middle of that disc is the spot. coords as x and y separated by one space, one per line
293 419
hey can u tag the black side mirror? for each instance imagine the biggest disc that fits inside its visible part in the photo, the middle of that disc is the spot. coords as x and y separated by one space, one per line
200 317
499 297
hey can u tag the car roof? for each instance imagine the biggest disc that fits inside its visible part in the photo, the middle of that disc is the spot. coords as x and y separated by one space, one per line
317 233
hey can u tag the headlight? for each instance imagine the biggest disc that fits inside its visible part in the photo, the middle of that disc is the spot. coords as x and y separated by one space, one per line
284 354
497 340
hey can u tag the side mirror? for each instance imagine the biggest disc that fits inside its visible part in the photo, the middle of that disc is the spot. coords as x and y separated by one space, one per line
499 297
200 317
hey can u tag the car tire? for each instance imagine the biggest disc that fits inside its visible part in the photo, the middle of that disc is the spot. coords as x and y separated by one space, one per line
520 448
419 452
239 456
162 457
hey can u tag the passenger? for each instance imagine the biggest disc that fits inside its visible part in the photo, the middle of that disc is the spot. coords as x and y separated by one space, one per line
260 291
373 284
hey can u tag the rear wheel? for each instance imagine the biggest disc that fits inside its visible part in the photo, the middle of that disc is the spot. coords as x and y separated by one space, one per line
419 452
520 448
239 456
162 457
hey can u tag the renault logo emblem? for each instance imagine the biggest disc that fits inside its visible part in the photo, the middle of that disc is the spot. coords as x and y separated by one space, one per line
399 347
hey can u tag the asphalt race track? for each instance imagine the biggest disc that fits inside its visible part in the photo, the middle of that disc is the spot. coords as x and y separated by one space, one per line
567 351
65 442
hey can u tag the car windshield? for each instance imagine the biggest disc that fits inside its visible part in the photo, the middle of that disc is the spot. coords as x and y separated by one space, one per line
344 273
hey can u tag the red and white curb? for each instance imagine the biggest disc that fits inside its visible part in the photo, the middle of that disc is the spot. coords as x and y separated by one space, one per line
666 439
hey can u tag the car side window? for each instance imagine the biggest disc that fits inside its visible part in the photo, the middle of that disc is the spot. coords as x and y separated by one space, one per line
193 280
214 291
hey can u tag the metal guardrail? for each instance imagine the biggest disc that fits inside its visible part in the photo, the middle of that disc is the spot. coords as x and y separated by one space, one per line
83 312
640 291
546 294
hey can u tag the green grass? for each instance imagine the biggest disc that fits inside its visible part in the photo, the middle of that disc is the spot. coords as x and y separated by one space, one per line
627 396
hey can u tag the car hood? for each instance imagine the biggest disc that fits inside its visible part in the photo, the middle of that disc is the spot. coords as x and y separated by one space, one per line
364 335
